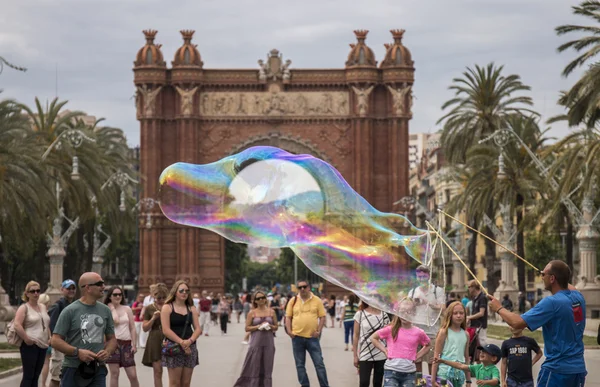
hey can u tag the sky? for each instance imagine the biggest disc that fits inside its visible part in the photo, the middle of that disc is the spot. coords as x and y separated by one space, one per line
92 44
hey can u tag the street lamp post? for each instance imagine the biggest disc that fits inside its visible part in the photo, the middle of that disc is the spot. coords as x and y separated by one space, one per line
121 179
56 248
147 204
75 138
586 220
99 249
507 235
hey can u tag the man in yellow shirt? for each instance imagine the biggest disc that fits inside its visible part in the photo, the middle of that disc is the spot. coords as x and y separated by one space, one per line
305 318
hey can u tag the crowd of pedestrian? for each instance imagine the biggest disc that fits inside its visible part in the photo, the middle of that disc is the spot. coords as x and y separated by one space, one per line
86 342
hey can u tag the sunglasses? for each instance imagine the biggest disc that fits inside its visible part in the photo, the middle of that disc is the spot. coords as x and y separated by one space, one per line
181 291
542 274
117 295
34 291
160 298
99 283
71 288
260 298
303 287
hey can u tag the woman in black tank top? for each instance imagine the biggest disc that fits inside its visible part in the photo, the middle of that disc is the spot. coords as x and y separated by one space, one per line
180 325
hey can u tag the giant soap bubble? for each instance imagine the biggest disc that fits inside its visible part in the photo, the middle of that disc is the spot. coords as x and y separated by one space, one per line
268 197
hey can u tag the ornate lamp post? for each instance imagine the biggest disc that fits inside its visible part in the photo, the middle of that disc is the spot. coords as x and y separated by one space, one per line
586 220
56 248
121 179
147 204
507 235
75 138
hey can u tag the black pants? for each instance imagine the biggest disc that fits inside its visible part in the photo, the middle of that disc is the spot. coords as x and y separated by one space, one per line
364 372
224 319
33 358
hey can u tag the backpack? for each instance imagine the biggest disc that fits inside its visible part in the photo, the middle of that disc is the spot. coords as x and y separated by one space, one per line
12 337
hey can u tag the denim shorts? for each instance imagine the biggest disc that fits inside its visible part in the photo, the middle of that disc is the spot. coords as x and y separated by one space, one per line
513 383
398 379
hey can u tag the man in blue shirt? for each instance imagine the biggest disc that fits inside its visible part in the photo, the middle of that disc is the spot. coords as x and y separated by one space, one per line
562 319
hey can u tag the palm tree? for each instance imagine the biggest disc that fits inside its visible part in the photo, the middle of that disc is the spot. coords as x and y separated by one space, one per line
590 43
484 98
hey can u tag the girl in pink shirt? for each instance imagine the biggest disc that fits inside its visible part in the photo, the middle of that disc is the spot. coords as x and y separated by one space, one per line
403 340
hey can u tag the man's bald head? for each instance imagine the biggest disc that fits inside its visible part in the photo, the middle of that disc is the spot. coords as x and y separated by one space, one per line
89 278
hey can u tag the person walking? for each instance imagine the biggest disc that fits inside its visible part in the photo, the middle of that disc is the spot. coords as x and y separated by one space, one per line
238 307
179 320
31 324
68 289
223 310
257 370
305 318
45 300
349 311
479 312
403 340
518 360
331 310
123 356
85 333
205 305
152 353
452 343
367 358
562 319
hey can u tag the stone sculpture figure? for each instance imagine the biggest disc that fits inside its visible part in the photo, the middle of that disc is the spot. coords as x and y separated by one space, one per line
187 98
286 70
362 103
262 72
399 98
149 97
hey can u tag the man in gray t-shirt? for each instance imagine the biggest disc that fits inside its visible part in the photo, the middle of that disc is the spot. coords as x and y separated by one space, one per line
85 333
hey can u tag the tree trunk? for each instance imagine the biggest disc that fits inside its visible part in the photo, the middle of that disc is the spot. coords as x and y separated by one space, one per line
569 245
520 244
472 247
490 255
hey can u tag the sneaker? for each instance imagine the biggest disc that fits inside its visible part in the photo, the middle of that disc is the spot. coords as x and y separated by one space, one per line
245 342
206 334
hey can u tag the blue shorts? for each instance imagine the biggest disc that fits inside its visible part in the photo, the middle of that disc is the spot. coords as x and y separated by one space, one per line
548 378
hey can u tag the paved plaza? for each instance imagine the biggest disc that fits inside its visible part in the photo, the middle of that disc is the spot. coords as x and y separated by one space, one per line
221 359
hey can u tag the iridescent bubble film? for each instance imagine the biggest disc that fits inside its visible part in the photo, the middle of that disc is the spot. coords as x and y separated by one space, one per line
268 197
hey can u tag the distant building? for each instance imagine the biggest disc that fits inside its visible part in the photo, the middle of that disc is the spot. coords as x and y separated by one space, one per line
417 144
263 254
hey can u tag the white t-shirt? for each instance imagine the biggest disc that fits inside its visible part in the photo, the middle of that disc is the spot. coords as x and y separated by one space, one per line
148 300
400 365
426 317
369 323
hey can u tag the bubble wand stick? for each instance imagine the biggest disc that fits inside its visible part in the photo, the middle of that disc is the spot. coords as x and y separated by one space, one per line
457 256
490 239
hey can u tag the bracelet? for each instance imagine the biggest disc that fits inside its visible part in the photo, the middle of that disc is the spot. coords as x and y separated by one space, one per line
498 311
468 382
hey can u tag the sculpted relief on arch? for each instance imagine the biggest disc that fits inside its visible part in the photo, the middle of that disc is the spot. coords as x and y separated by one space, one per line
257 104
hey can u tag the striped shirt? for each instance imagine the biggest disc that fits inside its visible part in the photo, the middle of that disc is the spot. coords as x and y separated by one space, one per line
350 311
368 324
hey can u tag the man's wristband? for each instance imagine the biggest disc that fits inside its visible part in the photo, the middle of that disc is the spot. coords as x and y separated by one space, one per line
468 382
498 311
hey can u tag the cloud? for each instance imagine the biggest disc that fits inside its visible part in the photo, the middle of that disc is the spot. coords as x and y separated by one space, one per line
93 44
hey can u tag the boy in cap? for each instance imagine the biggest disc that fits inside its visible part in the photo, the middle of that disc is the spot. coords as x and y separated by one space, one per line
517 359
486 373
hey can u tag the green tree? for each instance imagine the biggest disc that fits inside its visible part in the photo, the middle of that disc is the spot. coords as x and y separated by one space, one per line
236 264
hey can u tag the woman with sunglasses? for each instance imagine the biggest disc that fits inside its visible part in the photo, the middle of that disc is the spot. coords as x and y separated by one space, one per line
179 319
152 354
31 324
261 322
126 336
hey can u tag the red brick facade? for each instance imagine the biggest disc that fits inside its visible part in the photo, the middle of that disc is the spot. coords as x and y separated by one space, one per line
355 118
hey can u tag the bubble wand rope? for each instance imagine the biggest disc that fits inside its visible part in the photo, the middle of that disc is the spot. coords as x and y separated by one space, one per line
457 256
492 240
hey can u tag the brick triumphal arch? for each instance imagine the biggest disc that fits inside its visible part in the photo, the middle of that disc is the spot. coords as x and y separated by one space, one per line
355 118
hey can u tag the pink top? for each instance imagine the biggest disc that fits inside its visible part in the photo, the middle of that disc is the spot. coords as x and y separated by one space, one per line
406 344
